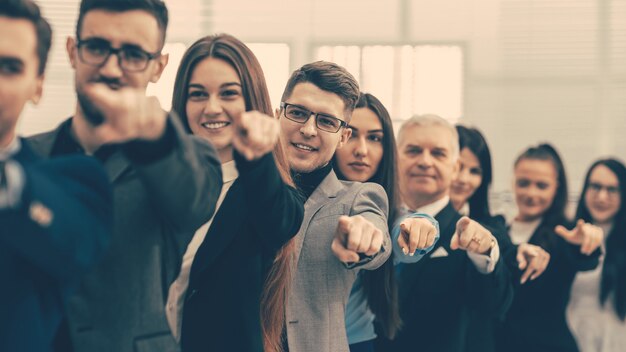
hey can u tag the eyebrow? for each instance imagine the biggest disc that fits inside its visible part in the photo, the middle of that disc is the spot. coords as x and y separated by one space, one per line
126 45
200 86
12 60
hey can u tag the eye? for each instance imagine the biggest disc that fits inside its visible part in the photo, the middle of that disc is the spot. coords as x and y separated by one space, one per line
375 138
296 113
230 93
476 171
134 54
413 151
97 47
522 183
11 67
439 153
196 95
327 121
542 185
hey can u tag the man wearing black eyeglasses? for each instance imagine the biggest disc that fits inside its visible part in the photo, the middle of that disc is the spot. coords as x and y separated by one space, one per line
345 223
165 181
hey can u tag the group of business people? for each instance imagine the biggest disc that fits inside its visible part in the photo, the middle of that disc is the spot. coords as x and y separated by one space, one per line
226 226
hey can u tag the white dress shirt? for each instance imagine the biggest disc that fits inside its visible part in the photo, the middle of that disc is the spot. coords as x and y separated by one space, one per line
521 231
485 264
11 176
178 289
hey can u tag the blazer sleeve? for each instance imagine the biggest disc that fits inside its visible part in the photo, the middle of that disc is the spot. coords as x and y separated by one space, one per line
491 293
371 202
182 174
277 209
63 222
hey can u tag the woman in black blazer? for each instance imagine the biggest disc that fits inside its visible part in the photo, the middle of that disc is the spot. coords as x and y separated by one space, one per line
470 196
238 280
536 319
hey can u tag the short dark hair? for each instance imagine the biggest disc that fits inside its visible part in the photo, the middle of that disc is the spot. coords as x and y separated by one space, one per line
156 8
28 10
327 76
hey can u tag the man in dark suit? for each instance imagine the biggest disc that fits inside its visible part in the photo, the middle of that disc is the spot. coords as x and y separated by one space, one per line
165 182
55 215
464 270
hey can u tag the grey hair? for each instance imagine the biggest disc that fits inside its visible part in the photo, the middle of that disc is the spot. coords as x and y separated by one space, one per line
432 120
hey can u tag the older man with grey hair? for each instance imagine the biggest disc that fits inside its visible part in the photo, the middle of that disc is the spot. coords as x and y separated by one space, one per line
464 271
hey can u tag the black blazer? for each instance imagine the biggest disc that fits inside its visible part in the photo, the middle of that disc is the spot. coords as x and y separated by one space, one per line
437 293
481 331
257 217
536 319
57 234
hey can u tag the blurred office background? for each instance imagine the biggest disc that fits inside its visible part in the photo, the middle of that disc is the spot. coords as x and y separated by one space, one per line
522 71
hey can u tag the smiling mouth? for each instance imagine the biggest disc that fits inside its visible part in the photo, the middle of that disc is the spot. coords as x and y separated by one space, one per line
304 147
215 125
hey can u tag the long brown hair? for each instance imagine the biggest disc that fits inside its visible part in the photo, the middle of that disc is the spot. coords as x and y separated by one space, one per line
380 285
254 89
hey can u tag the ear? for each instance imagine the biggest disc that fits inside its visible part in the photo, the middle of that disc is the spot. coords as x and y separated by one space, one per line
345 135
161 62
70 46
38 90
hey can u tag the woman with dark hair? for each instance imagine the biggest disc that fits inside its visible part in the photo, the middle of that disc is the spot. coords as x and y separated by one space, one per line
536 319
370 156
470 196
230 294
597 308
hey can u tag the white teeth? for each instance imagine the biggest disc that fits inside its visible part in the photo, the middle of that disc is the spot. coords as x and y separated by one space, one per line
305 147
215 125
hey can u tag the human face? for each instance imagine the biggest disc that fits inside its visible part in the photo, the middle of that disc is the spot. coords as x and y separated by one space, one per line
214 96
359 158
128 28
19 77
468 179
603 198
427 164
535 186
307 147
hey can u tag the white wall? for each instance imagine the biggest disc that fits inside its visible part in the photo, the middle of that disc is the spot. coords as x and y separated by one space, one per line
536 70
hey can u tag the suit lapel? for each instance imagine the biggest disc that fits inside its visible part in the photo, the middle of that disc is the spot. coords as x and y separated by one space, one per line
328 189
222 231
116 164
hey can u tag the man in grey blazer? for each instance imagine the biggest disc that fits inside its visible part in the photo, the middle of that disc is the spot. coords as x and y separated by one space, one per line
165 181
345 223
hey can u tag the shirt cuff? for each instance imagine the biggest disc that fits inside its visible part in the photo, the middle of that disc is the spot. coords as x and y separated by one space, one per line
398 255
486 264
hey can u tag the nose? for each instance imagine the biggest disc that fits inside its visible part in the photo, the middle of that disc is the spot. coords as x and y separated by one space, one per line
602 194
308 129
463 175
111 67
360 149
213 106
425 160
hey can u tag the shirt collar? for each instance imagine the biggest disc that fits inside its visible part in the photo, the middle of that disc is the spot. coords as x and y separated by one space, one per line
13 148
229 171
433 208
66 143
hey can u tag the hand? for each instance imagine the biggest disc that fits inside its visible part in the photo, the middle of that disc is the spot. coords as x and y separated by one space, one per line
588 236
127 114
532 258
256 134
472 237
356 235
416 233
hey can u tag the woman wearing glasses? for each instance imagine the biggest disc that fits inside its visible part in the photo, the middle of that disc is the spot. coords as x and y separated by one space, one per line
370 156
597 308
232 297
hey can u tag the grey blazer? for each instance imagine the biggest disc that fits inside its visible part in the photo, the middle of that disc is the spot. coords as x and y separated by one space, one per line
315 314
157 208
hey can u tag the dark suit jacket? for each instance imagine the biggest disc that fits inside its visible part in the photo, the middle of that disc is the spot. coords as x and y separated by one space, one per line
258 216
158 205
57 234
536 320
437 293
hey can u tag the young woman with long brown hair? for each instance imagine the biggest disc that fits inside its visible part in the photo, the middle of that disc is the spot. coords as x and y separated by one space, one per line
232 297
